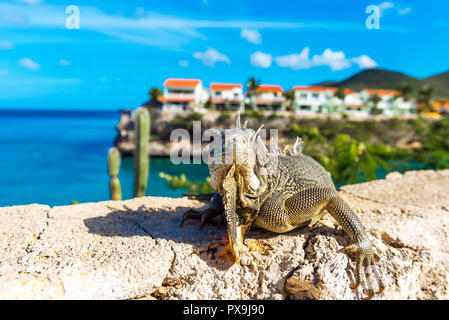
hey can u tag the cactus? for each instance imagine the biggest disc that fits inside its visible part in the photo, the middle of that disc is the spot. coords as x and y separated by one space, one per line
114 168
141 160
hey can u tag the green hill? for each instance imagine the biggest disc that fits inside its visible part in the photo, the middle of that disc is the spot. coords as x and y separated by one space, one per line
385 79
440 82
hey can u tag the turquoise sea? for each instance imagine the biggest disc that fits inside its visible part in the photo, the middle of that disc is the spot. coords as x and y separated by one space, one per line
53 157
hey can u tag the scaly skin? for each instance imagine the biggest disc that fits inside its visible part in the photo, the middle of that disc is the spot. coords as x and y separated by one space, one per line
279 192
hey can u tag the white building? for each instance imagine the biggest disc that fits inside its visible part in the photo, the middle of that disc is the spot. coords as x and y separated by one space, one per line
385 104
354 104
227 96
269 97
312 99
182 94
402 107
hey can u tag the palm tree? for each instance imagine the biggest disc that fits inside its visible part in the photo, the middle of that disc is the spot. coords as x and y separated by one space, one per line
425 97
406 90
340 94
155 92
375 99
290 96
252 85
154 103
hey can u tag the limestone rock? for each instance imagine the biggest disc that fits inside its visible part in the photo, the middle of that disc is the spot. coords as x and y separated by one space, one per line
135 249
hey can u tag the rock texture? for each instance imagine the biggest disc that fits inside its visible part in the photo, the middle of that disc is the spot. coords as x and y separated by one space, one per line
135 249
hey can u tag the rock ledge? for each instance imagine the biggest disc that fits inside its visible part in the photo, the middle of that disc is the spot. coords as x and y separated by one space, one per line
135 249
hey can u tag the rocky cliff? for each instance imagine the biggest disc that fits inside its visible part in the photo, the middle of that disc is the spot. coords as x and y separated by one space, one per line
135 249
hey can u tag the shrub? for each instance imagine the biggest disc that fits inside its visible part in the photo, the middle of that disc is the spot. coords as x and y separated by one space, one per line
181 182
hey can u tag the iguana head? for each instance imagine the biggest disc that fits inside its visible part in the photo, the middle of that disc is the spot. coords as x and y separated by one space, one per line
237 165
240 166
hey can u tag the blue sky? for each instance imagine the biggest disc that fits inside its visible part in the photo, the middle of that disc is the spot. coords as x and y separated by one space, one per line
123 48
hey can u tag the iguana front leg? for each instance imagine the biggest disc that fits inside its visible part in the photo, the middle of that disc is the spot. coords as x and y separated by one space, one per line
284 212
360 244
212 214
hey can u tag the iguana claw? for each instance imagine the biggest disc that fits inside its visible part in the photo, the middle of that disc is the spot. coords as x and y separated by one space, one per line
365 258
206 216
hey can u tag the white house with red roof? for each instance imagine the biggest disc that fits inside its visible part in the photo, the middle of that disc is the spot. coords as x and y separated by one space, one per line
352 99
391 102
354 104
401 106
268 97
182 94
312 99
226 96
385 104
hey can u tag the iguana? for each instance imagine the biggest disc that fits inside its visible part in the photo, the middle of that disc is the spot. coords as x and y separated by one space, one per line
277 191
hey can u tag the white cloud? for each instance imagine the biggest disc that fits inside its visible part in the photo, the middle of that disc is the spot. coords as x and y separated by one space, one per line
46 15
152 29
64 63
29 64
210 57
384 6
6 45
295 61
261 60
404 11
252 36
364 62
183 63
389 5
336 60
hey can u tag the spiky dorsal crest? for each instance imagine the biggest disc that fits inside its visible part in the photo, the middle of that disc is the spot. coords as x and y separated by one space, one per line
261 147
256 134
274 148
237 121
297 147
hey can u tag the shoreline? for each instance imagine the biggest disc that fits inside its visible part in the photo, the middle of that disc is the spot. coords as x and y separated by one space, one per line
162 123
